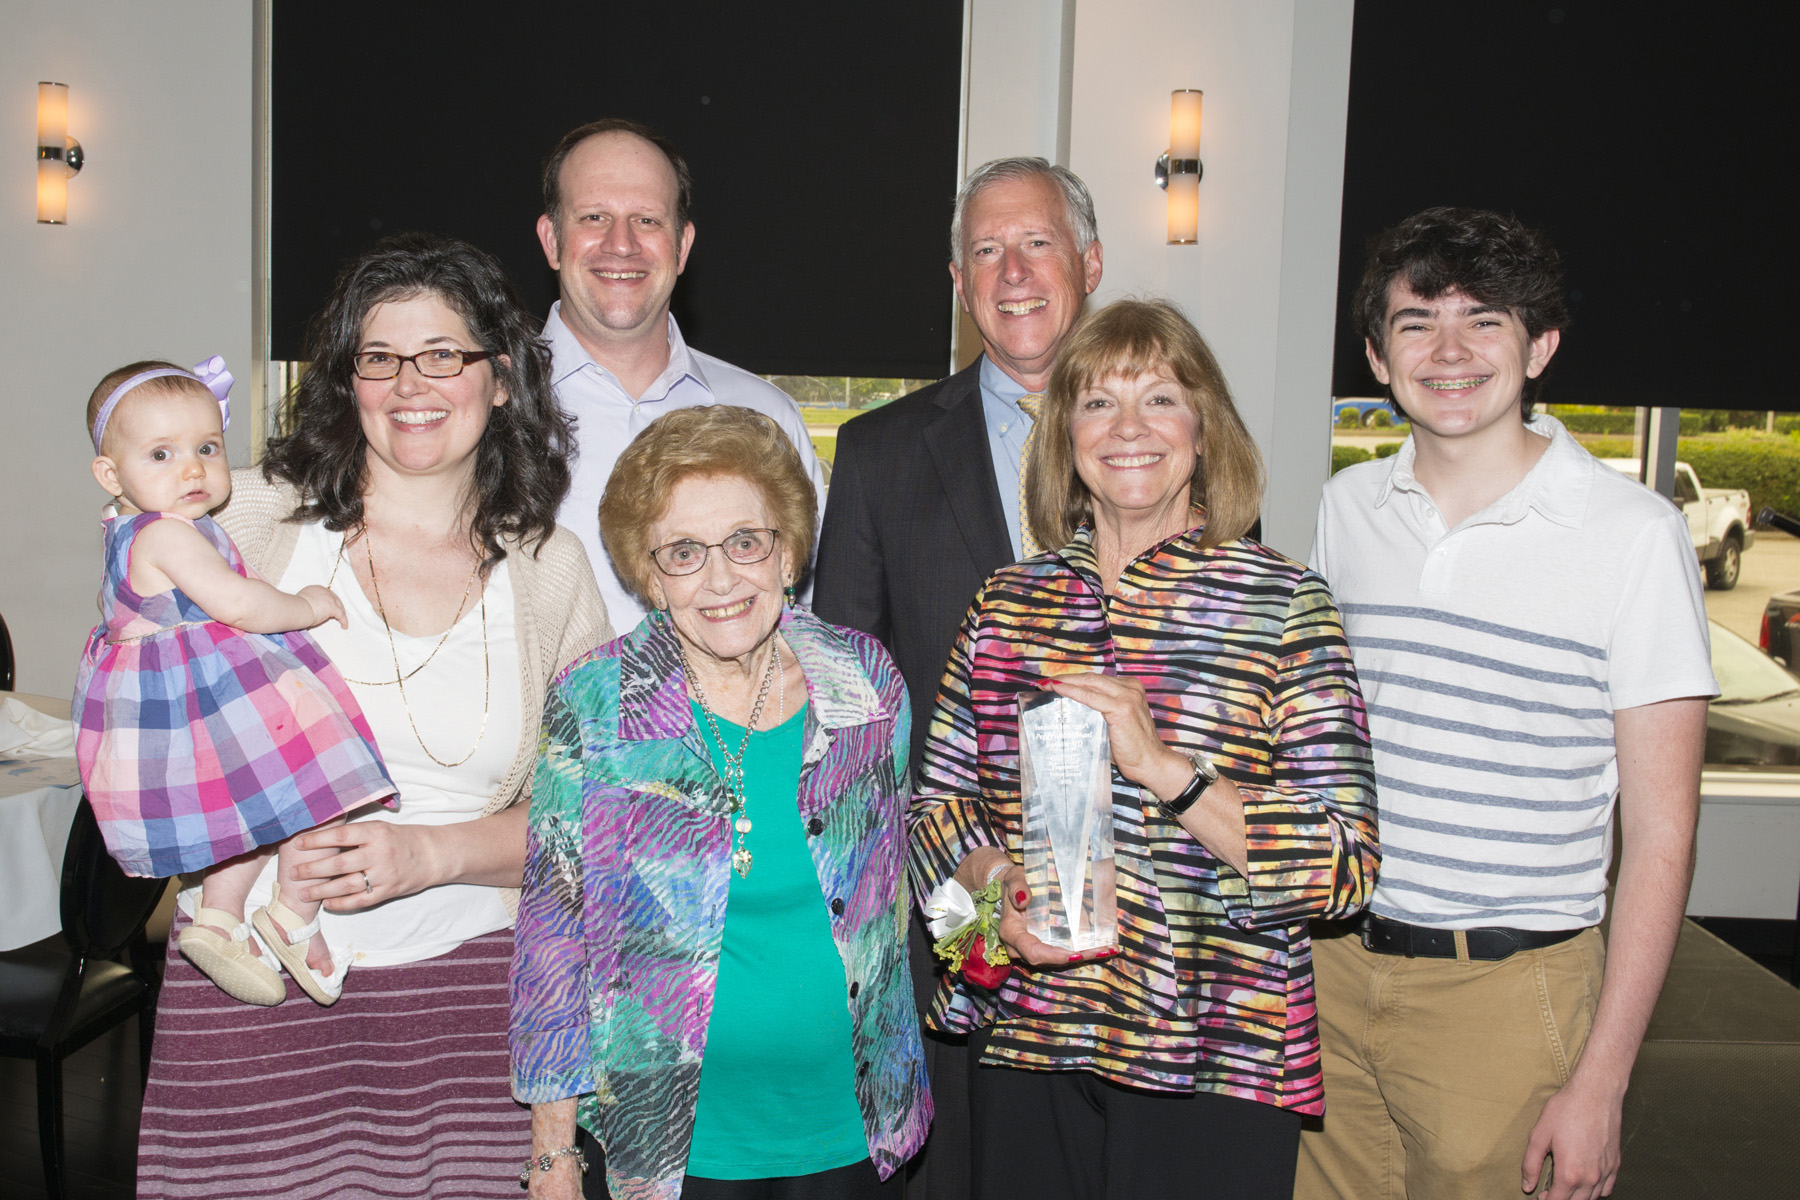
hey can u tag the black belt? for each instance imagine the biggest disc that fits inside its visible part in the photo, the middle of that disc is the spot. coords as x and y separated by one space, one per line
1488 945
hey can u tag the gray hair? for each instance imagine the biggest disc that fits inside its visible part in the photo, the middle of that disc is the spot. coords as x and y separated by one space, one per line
1077 202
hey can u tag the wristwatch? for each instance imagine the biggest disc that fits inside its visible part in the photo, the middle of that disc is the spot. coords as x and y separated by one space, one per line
1205 775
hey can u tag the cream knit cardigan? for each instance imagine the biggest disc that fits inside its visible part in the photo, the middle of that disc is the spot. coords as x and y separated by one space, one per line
558 612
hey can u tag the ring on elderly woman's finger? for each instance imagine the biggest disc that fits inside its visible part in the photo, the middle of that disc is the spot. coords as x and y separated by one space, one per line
367 886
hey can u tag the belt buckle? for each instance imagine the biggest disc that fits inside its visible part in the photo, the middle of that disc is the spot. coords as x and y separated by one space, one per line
1365 929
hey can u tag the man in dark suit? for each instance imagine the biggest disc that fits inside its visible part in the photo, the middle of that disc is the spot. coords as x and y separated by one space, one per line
924 499
923 505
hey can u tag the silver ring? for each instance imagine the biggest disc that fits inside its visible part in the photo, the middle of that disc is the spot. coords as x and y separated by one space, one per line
367 886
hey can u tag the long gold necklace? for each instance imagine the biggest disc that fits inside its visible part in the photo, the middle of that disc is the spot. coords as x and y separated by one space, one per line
733 774
343 548
400 680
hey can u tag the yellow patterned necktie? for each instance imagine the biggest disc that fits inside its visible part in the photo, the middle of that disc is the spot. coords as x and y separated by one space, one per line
1032 404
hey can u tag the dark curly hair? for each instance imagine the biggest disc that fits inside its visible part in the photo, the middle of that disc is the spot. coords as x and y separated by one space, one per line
1490 258
522 460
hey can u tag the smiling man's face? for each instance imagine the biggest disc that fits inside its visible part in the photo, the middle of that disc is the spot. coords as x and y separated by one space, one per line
1022 277
614 245
1457 366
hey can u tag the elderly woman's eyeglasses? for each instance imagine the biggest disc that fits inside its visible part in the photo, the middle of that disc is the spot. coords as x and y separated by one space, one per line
440 362
744 547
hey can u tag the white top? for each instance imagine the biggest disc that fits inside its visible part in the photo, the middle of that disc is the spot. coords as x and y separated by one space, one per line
445 699
608 418
1492 657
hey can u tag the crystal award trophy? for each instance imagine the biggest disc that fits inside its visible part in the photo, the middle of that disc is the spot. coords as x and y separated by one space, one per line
1065 794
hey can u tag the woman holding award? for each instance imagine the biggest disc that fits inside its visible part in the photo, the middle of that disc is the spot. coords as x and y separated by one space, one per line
711 967
1156 1033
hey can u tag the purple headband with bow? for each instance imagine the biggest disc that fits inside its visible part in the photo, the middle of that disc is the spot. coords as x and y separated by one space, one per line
211 374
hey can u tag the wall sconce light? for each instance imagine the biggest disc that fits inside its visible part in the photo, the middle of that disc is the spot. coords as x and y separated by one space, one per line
1178 170
58 155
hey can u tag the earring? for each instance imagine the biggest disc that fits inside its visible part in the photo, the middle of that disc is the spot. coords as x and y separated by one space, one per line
788 595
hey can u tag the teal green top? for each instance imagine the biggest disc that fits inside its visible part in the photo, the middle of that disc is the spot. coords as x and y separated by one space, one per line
777 1083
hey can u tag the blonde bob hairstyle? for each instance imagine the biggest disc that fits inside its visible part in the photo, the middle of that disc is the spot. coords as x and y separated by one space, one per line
1126 339
718 440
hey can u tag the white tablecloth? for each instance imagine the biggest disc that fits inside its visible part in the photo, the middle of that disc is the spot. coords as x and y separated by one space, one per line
38 797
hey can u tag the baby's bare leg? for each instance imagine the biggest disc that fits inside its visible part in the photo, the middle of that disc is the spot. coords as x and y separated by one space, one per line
318 955
226 886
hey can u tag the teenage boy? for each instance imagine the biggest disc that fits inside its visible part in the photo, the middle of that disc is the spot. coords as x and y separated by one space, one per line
1529 632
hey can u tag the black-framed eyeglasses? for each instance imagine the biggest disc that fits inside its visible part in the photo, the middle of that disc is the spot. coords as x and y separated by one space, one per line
440 362
745 546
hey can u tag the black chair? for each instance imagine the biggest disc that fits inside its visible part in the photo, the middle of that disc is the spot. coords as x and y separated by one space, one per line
6 658
61 993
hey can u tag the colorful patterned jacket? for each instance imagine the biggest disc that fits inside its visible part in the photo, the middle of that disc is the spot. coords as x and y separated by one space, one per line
626 877
1242 654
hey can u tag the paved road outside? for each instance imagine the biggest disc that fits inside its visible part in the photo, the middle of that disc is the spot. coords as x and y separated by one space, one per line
1770 566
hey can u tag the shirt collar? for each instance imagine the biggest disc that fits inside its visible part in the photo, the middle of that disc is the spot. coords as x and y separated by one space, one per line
1000 385
653 700
1557 486
570 357
1079 554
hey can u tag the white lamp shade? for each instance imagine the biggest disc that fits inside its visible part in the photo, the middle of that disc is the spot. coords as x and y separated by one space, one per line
1184 123
1184 210
53 114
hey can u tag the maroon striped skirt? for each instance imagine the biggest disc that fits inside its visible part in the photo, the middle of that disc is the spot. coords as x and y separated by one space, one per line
400 1089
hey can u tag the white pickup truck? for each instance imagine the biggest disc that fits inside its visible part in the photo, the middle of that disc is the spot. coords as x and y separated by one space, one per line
1718 519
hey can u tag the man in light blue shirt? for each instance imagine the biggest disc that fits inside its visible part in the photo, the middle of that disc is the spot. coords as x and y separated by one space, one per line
616 231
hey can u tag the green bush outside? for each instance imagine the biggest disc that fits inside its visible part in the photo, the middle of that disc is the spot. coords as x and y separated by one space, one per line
1388 449
1350 418
1345 456
1381 418
1696 421
1598 422
1765 465
1609 447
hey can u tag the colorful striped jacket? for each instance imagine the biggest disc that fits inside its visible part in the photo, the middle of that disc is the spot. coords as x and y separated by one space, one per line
626 875
1243 655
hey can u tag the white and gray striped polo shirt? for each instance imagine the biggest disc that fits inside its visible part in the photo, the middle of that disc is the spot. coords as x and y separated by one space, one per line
1492 658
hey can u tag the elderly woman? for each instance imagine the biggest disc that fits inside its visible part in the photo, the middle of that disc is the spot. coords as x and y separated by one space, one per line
710 971
419 479
1242 794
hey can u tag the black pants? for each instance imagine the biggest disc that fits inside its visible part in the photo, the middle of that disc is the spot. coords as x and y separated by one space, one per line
1051 1135
858 1181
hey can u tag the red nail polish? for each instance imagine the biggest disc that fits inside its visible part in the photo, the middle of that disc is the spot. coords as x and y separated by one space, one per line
1019 898
1074 958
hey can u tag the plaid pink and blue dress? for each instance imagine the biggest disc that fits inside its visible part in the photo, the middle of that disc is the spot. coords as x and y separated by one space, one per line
198 742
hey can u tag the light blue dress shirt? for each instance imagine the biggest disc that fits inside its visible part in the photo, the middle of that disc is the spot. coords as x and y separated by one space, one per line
1007 426
608 418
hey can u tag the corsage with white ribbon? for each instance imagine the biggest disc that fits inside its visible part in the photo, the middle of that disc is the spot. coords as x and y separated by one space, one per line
967 929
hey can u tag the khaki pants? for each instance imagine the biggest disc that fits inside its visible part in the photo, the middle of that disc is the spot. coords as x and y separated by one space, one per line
1436 1069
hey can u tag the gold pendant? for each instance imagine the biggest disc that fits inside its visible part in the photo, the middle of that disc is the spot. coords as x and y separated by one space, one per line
740 862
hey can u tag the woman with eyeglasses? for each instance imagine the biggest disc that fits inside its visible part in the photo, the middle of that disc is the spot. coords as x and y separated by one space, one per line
711 966
418 478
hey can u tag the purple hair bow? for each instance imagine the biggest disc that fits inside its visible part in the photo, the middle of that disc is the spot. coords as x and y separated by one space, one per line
211 373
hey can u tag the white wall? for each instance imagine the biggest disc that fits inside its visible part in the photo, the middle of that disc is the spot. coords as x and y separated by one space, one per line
155 262
1261 285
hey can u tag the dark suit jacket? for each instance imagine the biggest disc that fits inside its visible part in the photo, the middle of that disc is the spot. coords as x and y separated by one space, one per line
913 527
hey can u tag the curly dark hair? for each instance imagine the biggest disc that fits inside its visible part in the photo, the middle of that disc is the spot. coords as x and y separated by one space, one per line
1490 258
522 460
